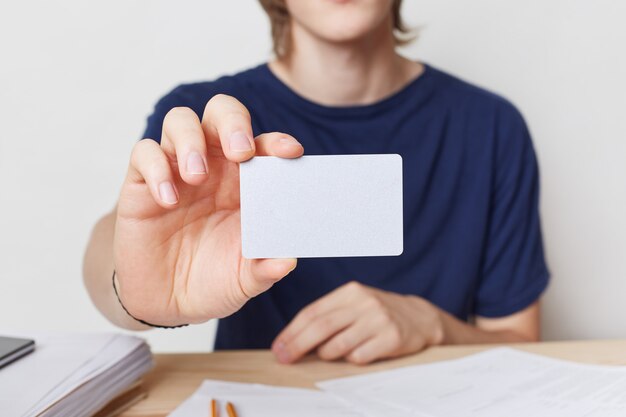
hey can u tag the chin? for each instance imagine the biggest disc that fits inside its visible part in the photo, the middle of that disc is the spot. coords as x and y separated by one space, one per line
340 20
345 30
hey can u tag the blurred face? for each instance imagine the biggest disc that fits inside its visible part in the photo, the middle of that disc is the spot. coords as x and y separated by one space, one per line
340 20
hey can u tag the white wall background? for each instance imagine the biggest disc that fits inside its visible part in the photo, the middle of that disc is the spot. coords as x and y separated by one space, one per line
78 78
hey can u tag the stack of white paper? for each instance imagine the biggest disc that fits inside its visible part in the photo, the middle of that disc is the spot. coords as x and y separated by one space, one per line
71 375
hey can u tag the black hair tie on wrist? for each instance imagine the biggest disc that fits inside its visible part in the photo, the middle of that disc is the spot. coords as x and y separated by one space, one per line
135 318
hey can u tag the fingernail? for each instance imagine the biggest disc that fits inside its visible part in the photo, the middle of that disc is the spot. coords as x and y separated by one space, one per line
295 264
239 142
167 193
289 141
281 352
195 164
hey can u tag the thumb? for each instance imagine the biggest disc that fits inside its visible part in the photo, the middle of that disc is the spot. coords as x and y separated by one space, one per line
258 275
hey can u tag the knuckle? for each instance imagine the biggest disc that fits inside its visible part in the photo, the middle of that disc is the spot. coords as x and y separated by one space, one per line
213 104
224 101
149 163
178 113
183 120
324 324
220 97
138 151
223 110
135 152
354 287
140 145
216 100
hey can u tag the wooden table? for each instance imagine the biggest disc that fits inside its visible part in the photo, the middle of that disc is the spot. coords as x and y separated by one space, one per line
176 377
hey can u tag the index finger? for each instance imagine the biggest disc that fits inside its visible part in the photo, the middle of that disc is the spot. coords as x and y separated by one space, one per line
320 307
228 128
316 333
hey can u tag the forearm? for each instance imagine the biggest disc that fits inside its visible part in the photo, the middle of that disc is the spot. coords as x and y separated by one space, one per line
456 331
97 273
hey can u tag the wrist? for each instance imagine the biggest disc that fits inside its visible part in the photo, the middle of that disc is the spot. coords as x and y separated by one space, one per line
132 316
434 330
438 336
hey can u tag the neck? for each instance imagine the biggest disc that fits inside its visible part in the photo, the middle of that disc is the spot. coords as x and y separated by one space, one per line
340 74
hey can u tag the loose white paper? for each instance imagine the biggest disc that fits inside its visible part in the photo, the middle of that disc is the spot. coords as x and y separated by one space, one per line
253 400
495 383
322 206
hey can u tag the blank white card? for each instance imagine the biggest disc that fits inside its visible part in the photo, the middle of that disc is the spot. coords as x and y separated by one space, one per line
321 206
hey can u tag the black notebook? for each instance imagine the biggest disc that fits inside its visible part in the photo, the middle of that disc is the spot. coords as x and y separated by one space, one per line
11 349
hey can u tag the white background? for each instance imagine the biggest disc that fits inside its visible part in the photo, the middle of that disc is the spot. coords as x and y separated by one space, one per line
77 79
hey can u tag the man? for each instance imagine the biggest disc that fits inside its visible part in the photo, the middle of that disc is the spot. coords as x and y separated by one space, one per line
473 267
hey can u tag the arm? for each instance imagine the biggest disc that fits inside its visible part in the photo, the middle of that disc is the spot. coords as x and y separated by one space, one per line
523 326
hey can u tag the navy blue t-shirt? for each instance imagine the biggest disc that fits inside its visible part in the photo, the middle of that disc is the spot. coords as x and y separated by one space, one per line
472 238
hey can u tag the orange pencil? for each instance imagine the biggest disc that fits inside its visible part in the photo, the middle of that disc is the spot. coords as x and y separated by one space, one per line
213 408
230 409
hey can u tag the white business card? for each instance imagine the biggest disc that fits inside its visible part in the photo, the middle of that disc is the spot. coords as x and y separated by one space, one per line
321 206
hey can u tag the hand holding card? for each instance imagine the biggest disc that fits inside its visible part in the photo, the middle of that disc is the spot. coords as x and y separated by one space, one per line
177 236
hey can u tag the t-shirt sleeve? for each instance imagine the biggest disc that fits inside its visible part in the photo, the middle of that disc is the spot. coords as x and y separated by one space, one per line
514 271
